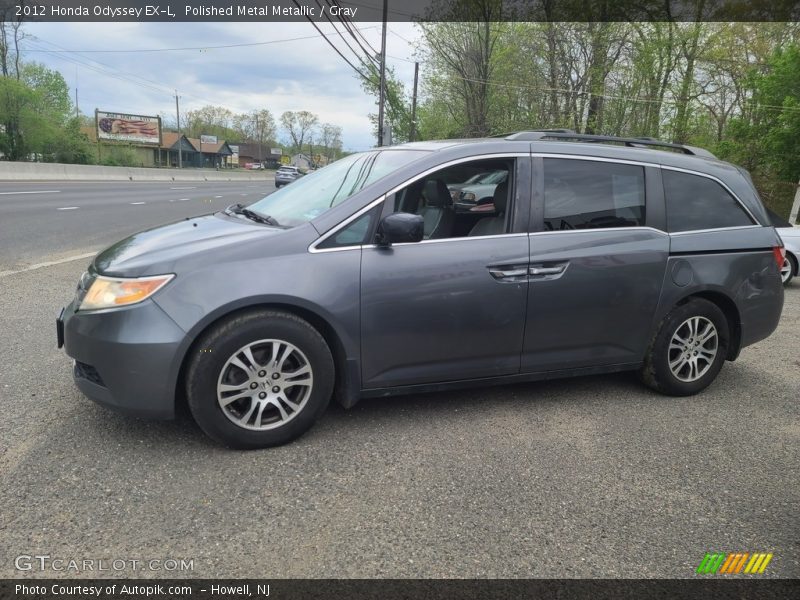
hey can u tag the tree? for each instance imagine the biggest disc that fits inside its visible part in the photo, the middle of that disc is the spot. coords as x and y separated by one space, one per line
462 54
208 120
330 140
397 113
35 110
298 125
257 126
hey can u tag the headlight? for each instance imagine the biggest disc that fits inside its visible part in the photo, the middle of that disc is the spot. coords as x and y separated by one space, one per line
469 197
107 292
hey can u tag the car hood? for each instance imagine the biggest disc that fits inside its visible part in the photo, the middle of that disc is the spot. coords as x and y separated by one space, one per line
157 249
790 236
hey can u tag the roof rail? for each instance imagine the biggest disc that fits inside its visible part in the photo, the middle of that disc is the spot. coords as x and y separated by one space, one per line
512 134
641 142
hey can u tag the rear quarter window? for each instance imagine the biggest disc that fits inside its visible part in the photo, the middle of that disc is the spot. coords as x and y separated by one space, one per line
695 202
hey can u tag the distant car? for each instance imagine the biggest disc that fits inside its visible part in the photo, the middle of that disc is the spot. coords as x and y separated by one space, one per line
791 240
254 166
481 192
286 175
455 188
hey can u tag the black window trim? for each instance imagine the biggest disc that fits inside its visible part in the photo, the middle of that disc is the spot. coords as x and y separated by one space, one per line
516 156
753 221
537 215
539 171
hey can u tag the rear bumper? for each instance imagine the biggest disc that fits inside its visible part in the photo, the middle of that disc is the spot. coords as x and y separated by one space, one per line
761 312
124 357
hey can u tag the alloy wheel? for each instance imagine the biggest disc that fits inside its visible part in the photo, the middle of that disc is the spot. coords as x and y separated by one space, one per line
693 348
264 384
786 270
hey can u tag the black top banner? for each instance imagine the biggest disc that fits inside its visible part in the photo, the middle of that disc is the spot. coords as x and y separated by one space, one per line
400 10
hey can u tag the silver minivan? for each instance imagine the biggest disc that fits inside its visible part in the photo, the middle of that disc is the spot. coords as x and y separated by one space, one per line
598 255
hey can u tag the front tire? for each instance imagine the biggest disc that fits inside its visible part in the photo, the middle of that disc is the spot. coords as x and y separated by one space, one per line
688 350
259 379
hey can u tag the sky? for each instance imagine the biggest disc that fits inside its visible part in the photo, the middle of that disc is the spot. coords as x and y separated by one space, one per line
294 75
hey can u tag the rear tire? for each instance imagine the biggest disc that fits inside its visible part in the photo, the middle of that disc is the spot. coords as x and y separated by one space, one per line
261 378
689 349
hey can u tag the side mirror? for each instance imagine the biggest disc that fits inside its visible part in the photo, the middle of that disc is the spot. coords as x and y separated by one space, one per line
400 228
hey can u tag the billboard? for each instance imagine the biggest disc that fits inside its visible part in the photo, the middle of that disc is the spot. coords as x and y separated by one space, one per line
208 139
277 151
119 127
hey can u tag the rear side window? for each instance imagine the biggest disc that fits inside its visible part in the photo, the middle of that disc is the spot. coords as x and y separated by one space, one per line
584 194
695 202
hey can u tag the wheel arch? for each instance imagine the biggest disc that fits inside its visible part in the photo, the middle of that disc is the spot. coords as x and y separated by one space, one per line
732 315
347 384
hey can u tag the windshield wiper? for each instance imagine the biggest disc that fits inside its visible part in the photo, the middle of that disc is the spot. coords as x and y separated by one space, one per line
239 209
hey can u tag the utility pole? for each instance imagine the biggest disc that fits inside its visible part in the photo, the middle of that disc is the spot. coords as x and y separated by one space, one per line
382 91
77 110
178 121
413 133
258 135
795 206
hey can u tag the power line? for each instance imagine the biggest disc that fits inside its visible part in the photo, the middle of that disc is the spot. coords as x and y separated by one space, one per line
222 46
112 74
341 35
354 31
588 93
120 76
331 44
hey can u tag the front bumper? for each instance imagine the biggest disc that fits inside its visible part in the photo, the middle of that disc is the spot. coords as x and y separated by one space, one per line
125 358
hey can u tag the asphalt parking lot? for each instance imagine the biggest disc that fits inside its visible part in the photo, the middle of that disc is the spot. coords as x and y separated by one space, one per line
588 477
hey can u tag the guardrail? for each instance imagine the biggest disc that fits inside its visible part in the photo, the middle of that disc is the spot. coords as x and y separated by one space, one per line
30 171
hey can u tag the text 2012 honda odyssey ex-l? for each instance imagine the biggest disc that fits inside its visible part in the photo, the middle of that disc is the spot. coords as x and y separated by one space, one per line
597 255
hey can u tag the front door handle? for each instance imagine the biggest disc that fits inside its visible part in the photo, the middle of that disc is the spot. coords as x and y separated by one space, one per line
508 271
548 270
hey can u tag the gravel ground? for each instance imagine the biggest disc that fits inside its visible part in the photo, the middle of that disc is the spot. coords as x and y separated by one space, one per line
588 477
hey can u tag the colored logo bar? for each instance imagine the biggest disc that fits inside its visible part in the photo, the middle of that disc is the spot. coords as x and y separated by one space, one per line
725 563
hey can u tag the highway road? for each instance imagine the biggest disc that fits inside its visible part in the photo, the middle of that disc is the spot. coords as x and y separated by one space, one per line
586 477
46 221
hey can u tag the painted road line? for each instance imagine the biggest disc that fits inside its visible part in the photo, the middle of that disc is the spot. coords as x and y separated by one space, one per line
47 264
68 208
217 196
183 188
182 199
31 192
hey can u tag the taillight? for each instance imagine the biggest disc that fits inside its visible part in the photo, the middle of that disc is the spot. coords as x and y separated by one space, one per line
779 252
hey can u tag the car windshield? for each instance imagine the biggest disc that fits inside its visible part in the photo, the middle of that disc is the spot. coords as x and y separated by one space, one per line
311 195
495 177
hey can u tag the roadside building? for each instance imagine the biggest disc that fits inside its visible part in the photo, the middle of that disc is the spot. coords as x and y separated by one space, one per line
193 154
210 156
167 154
251 153
302 161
